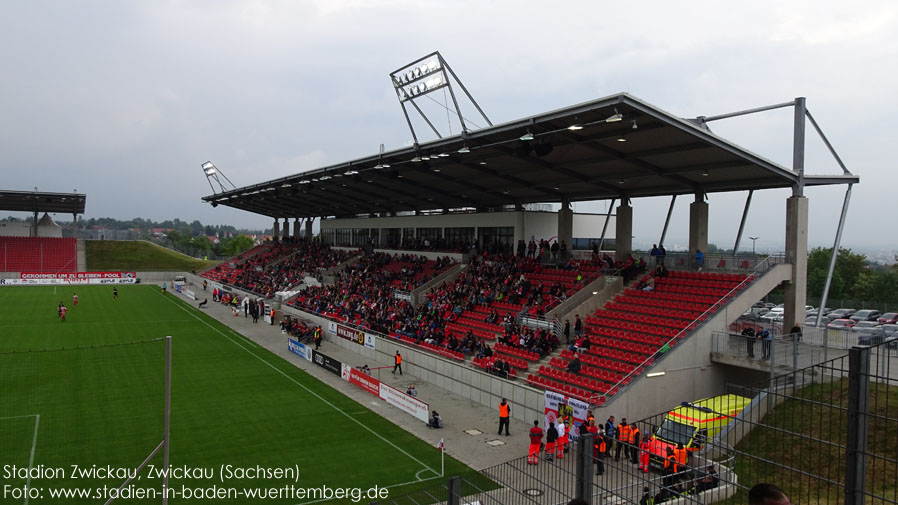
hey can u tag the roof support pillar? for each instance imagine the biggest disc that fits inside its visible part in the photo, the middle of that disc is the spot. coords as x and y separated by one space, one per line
309 228
623 238
670 209
801 111
835 254
285 230
565 224
296 227
519 230
742 223
698 224
605 226
797 254
275 230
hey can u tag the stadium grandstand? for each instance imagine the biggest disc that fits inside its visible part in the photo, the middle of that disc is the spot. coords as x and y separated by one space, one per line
471 197
38 246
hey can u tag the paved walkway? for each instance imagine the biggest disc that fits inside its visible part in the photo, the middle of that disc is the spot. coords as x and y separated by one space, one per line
459 415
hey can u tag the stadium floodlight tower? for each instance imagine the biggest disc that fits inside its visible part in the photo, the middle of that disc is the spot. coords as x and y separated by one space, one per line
424 76
214 174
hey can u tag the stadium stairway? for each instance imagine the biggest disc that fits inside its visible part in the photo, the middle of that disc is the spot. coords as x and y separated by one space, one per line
81 255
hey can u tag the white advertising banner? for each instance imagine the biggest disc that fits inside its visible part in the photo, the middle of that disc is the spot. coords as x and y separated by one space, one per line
558 404
404 402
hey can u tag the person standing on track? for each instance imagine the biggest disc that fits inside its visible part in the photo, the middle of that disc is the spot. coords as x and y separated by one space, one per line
536 440
504 413
397 363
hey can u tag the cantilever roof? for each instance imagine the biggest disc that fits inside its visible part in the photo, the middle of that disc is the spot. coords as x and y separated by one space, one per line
662 155
33 201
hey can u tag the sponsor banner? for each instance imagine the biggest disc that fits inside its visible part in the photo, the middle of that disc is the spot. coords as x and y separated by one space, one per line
361 379
558 404
352 334
300 349
409 404
328 363
402 295
79 275
65 282
190 294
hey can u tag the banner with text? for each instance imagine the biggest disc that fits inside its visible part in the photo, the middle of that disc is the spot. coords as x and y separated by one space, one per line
351 334
361 379
404 402
326 362
300 349
558 404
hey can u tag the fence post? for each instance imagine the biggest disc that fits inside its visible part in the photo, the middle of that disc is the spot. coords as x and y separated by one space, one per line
856 446
454 492
584 468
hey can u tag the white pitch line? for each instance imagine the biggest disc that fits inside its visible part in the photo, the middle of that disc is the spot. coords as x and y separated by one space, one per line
37 422
18 417
316 395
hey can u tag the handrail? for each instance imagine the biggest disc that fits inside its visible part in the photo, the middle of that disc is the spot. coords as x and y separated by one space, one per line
692 326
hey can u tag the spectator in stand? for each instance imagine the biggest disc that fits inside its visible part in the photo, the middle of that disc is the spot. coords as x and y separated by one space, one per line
574 365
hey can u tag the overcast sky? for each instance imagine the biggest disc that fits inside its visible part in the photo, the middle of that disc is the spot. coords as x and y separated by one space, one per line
125 100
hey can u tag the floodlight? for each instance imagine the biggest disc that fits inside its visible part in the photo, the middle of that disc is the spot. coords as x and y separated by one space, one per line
617 116
324 177
464 150
443 155
421 87
634 125
527 136
385 165
621 138
208 168
305 181
575 127
409 76
425 158
423 69
437 81
432 66
417 72
352 172
416 159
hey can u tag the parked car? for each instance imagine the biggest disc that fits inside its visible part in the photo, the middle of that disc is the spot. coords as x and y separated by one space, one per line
862 325
866 315
888 318
891 331
826 311
841 313
773 317
871 336
841 324
812 320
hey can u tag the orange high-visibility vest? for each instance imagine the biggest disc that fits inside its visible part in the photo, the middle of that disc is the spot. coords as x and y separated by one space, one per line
680 455
503 410
623 433
671 463
634 432
398 359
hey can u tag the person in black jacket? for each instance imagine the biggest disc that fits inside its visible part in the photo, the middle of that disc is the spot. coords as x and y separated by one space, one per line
551 438
574 365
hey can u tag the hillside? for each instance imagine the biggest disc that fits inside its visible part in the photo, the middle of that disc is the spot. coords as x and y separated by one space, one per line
138 255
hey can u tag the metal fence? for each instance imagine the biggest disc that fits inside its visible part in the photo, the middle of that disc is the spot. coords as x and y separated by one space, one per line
825 433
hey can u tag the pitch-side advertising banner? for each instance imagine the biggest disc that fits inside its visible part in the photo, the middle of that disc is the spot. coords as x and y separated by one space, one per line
326 362
361 379
300 349
404 402
351 334
557 405
71 278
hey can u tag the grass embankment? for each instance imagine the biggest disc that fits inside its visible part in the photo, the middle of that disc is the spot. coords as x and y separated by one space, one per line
138 255
806 436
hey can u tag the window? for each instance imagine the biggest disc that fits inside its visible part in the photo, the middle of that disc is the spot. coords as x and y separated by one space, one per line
459 238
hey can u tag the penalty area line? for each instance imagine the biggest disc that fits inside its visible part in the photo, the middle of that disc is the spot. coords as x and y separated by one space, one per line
316 395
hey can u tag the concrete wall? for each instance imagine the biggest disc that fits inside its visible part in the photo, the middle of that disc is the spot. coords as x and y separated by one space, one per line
15 229
585 302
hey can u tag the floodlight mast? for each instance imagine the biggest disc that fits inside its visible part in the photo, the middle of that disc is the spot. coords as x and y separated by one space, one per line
422 76
214 174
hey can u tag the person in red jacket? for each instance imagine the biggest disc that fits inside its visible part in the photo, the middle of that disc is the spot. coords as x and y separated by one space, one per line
536 440
644 450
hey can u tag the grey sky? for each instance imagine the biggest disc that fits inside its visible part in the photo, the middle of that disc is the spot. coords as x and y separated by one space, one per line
124 100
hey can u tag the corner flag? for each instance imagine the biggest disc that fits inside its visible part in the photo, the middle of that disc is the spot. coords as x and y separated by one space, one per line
440 446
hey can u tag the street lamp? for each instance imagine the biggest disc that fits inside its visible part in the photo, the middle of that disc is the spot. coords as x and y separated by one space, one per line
753 239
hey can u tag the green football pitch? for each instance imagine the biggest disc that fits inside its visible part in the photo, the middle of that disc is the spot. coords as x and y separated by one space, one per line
82 402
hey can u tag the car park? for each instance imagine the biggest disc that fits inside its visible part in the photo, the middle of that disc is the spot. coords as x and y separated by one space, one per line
871 336
866 315
773 317
888 318
861 325
841 324
812 320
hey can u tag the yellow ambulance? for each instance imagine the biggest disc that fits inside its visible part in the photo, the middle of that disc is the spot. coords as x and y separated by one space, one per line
693 423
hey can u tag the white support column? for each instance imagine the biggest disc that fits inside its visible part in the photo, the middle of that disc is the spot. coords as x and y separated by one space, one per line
797 250
623 238
698 225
